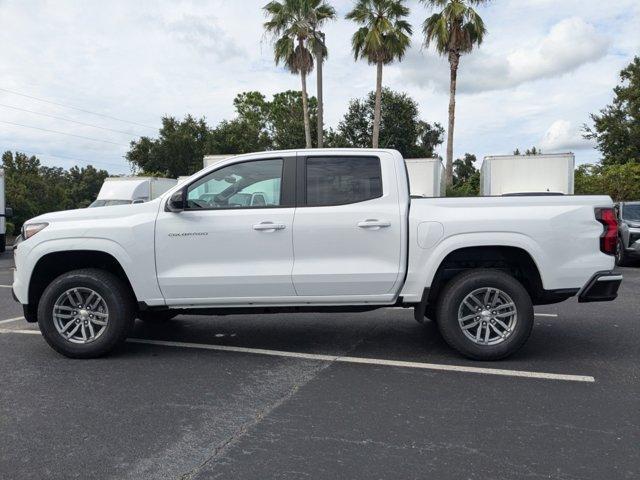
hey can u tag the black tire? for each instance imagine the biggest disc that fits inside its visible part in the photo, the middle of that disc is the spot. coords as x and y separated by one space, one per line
117 297
621 257
160 316
457 290
3 243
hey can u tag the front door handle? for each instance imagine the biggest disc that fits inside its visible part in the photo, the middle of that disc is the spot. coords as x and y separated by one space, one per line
269 226
374 224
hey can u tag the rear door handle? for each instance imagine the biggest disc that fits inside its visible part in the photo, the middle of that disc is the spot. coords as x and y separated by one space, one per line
269 226
374 224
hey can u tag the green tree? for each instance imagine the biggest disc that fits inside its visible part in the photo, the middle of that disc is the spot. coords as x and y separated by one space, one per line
400 126
178 150
466 177
23 186
529 151
83 185
291 24
620 181
235 137
33 189
283 120
616 129
278 121
384 36
455 30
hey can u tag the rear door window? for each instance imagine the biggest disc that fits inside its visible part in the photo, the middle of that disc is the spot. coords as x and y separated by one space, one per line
342 180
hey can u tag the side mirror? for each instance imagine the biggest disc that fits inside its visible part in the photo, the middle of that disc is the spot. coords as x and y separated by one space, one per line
177 202
8 212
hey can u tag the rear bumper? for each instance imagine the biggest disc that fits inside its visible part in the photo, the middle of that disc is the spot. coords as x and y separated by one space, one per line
602 287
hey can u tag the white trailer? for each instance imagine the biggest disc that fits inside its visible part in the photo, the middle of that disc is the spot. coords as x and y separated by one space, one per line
426 177
520 174
126 190
211 159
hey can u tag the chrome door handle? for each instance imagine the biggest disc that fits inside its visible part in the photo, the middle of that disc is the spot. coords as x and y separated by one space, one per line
269 226
374 224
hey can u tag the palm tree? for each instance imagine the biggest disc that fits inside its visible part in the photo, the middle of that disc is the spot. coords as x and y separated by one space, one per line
320 12
384 37
294 25
454 30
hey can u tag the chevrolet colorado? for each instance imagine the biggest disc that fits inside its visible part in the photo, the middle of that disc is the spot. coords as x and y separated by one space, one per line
314 230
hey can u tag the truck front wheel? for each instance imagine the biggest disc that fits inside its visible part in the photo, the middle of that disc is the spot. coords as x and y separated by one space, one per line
85 313
485 314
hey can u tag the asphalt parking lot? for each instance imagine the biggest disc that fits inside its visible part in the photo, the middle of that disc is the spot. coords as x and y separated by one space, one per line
286 401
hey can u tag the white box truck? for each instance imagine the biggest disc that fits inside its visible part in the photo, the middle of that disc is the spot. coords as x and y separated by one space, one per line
426 177
3 213
126 190
520 174
211 159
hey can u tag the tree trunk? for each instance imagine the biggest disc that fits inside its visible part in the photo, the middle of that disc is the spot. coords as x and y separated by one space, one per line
305 109
378 107
319 61
454 60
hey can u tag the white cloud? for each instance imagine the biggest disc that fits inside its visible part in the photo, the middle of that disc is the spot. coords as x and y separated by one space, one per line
569 44
205 35
140 60
562 135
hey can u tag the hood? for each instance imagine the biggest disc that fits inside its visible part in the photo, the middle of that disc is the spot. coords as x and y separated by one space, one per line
102 213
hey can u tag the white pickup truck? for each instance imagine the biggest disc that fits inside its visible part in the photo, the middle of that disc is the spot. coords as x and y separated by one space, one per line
314 230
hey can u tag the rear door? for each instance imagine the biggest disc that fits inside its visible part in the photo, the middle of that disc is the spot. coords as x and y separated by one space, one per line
347 227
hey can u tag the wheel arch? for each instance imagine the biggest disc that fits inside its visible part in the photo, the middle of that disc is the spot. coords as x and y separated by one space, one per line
53 264
516 261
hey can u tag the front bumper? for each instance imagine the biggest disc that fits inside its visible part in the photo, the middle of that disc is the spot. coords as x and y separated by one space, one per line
602 287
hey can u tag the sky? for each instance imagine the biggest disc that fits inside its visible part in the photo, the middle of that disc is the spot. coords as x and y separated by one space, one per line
80 79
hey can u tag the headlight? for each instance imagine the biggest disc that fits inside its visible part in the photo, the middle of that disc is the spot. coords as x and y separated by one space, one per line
30 229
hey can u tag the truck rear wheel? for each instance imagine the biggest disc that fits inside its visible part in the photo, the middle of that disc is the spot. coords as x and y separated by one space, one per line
85 313
3 243
485 314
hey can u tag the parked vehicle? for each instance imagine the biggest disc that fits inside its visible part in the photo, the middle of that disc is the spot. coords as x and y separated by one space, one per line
426 177
5 213
629 232
528 174
474 265
128 190
213 159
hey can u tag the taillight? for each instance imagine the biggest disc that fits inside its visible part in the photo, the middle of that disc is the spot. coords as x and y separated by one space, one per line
609 238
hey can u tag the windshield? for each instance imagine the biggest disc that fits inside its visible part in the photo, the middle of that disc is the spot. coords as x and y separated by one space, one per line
631 211
109 203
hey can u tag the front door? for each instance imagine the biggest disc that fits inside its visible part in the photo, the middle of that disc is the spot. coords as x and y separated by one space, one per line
233 242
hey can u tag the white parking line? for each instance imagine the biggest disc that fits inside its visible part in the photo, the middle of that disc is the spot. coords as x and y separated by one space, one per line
9 320
371 361
357 360
536 314
5 286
